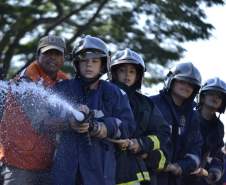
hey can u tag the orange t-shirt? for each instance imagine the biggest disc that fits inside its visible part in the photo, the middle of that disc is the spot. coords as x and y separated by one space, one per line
20 145
35 73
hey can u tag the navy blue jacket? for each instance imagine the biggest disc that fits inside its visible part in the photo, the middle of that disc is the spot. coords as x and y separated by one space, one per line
186 140
149 121
212 157
75 154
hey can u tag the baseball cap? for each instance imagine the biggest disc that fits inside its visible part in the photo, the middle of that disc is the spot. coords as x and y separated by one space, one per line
51 42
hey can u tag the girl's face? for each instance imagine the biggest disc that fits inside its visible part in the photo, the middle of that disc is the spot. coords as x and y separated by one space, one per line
213 99
126 74
182 89
90 68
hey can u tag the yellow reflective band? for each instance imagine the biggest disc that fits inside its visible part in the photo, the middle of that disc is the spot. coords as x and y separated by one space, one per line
136 182
155 140
143 176
140 177
162 161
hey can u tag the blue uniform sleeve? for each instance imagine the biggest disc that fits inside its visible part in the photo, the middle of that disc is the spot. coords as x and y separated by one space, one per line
159 131
120 124
194 141
217 162
217 156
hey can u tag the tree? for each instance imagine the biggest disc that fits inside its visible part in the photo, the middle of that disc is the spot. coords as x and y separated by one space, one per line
154 28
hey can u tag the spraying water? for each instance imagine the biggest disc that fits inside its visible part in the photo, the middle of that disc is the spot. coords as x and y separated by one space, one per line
3 85
35 94
3 91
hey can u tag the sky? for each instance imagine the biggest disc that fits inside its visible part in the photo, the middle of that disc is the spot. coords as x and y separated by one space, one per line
209 56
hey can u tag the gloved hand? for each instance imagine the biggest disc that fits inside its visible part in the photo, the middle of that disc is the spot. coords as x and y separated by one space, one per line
75 125
99 130
134 146
174 169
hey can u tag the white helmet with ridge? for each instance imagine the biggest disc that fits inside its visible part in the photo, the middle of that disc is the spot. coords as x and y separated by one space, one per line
127 56
215 84
91 47
186 72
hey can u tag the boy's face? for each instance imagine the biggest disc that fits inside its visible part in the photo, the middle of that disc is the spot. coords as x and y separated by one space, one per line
182 89
90 68
51 61
212 99
126 74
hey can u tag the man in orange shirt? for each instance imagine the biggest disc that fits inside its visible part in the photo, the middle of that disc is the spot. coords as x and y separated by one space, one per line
50 58
26 155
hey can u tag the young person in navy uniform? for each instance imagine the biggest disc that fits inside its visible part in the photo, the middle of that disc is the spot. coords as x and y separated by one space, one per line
176 103
84 154
212 100
145 152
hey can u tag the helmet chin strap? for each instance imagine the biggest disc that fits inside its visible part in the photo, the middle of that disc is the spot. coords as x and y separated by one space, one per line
88 81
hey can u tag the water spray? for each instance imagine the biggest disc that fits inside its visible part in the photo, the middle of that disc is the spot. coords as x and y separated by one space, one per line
39 98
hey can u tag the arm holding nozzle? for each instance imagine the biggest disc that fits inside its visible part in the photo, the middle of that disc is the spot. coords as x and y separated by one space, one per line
79 120
83 121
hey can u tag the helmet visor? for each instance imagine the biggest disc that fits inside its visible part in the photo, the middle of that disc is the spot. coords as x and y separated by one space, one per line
89 55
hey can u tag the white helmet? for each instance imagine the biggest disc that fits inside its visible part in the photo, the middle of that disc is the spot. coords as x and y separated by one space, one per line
186 72
91 47
215 84
127 56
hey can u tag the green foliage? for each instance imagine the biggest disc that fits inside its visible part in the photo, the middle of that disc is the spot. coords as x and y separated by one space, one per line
154 28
